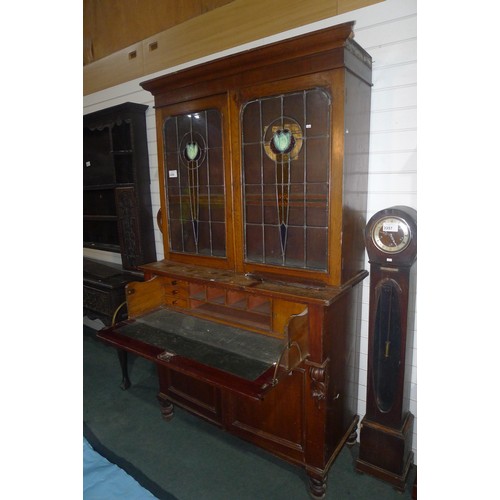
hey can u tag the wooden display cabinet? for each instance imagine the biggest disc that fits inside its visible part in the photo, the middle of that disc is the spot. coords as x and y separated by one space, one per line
116 204
116 189
253 317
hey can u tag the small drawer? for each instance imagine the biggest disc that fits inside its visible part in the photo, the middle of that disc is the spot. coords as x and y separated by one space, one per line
176 302
173 283
176 292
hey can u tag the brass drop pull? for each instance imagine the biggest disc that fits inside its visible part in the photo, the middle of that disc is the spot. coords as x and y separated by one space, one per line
387 345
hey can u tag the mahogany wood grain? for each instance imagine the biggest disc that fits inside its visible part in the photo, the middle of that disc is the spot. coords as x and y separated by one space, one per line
145 296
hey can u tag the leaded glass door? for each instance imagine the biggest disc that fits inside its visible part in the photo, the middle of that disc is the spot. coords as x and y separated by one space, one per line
286 144
194 181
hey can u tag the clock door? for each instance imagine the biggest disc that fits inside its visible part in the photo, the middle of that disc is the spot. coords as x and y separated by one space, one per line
387 402
386 344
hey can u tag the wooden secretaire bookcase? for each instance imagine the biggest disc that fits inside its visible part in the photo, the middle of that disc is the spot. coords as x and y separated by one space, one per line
253 317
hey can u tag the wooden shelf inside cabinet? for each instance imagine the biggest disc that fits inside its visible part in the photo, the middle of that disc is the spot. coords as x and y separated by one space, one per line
100 217
231 306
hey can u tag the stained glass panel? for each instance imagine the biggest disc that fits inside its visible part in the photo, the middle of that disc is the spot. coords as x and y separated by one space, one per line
286 155
194 178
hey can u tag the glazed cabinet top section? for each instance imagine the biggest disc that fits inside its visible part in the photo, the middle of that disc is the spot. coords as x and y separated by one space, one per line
263 159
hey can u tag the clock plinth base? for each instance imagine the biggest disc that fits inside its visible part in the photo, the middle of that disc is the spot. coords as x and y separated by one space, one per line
385 452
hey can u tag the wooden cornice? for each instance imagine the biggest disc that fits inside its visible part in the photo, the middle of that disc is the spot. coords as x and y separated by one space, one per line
320 49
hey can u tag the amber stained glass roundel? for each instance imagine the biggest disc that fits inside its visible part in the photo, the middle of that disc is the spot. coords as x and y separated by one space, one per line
282 139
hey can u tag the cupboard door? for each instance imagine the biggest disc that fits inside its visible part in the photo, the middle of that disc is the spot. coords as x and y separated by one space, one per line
277 422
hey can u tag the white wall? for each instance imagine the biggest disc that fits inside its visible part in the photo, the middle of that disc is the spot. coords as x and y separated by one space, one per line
388 31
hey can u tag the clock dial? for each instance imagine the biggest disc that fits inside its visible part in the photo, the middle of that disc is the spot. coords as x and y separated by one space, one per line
391 234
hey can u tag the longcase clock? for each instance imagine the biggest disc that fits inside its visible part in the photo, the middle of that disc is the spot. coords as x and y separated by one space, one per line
386 430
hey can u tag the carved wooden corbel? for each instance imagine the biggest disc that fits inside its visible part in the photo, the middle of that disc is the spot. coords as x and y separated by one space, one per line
319 381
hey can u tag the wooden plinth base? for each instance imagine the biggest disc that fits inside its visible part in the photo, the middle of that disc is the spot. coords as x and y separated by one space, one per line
385 452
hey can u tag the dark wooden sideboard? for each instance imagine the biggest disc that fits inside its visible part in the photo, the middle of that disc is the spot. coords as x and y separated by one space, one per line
253 317
104 290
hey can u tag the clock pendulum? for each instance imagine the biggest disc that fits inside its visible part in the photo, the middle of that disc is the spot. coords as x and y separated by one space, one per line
386 430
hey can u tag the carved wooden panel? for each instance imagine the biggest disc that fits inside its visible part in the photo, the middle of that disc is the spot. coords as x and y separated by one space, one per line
128 226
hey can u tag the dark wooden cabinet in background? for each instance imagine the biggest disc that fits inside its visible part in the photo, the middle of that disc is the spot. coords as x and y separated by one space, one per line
116 188
253 317
104 290
116 203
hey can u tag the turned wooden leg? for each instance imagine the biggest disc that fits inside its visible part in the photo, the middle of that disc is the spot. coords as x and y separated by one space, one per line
351 440
317 486
166 407
122 356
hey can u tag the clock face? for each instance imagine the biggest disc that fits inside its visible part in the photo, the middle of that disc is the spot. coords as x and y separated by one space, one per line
391 234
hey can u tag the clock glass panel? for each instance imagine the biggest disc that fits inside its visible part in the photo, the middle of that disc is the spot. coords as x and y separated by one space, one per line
391 234
387 344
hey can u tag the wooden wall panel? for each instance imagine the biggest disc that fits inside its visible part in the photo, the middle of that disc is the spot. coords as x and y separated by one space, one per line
235 23
111 25
124 65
